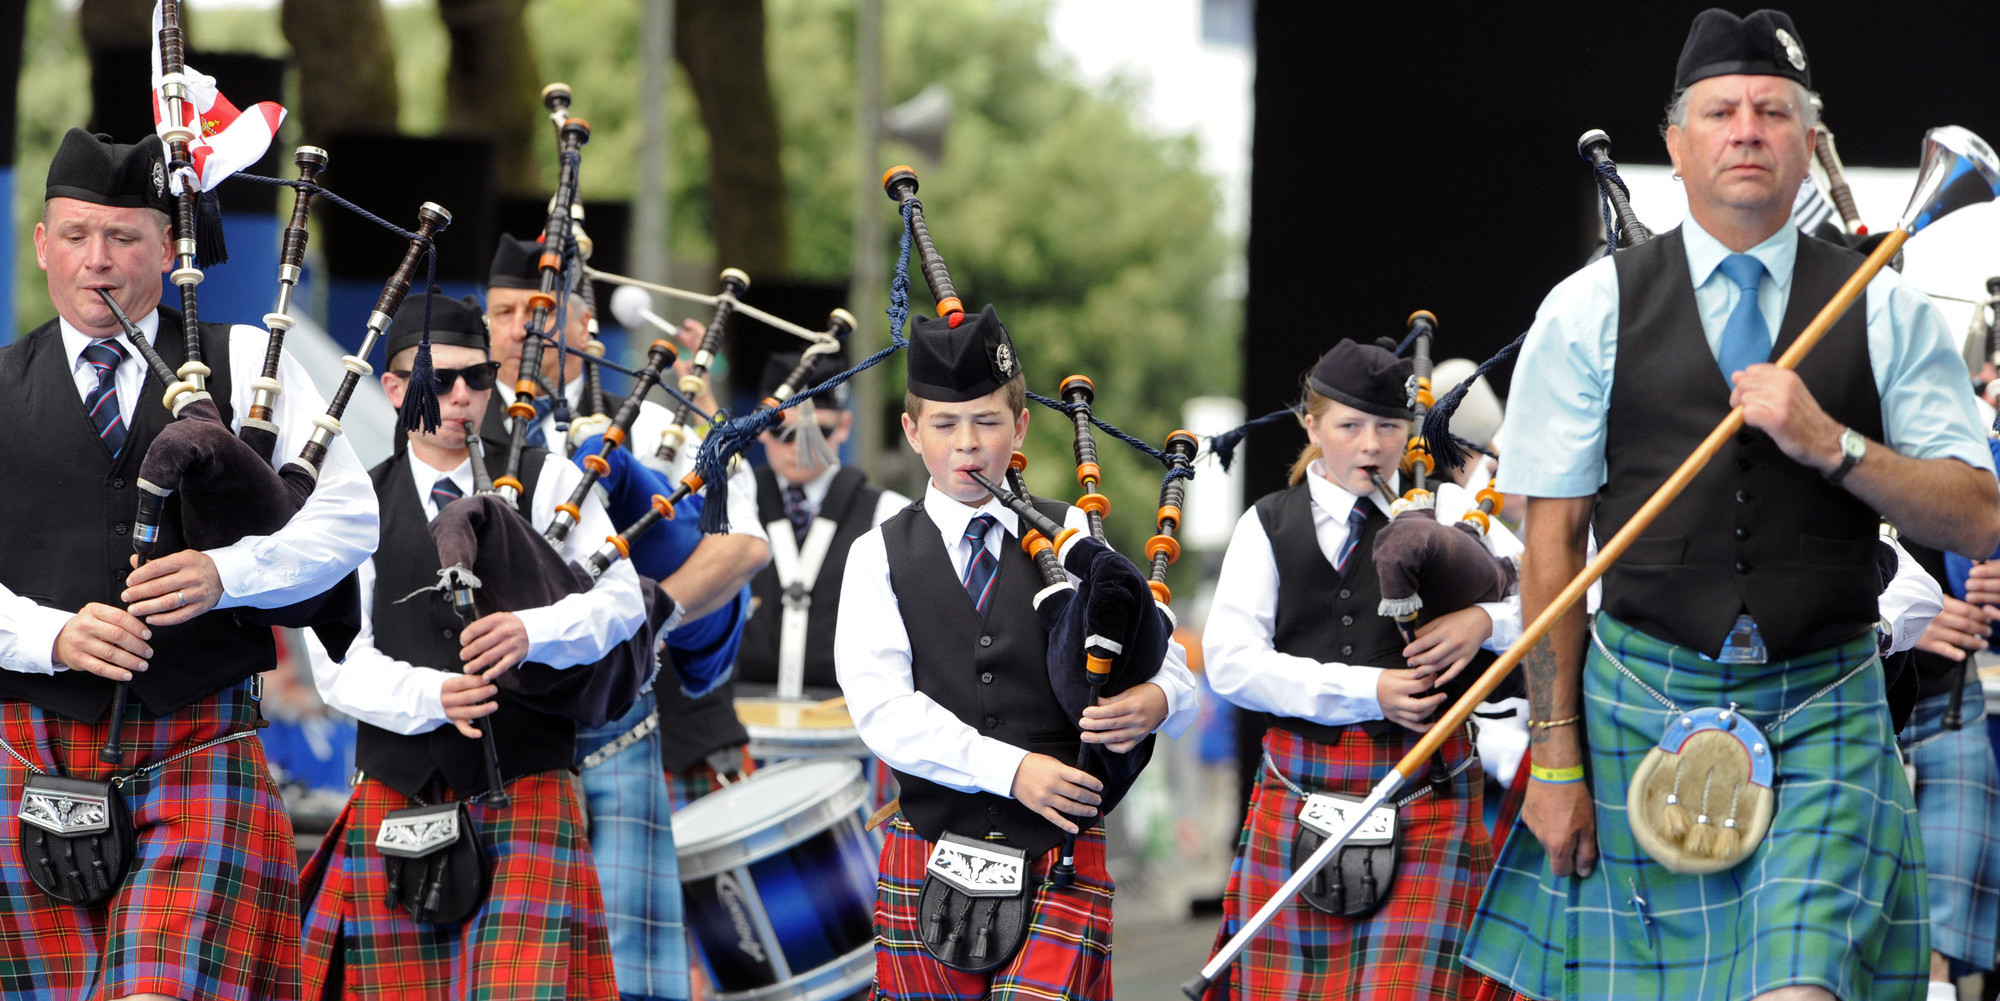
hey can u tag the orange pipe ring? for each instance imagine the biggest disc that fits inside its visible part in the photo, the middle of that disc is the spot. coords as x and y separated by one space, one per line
550 261
571 510
1064 537
1479 518
1096 504
1423 384
666 510
1168 513
1034 542
1490 495
508 481
950 305
671 347
614 437
1087 475
1419 457
596 464
540 301
1160 591
693 482
1019 460
1094 664
525 411
1163 543
618 542
1424 397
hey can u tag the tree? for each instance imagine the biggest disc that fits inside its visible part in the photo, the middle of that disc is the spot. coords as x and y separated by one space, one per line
347 66
491 86
721 44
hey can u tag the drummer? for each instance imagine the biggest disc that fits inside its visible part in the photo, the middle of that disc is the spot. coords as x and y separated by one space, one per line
944 664
812 512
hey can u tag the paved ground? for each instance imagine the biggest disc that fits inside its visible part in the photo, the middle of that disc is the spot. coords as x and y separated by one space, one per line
1151 957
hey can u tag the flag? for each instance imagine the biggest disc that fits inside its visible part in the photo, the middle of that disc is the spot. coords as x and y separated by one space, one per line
226 139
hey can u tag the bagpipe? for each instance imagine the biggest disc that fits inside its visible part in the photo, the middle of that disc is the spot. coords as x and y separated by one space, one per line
1622 227
1958 170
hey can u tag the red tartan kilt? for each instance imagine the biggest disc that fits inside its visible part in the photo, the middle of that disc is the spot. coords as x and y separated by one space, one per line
1067 953
210 908
540 933
1409 947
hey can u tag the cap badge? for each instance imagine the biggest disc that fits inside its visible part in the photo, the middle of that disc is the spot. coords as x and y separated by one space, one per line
159 180
1793 51
1003 361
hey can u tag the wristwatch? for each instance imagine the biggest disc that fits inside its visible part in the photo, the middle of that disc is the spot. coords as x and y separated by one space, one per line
1852 447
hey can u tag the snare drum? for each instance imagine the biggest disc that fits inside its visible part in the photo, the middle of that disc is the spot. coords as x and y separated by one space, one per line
786 729
779 879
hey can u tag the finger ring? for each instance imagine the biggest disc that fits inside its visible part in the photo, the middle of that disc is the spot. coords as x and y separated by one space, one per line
184 599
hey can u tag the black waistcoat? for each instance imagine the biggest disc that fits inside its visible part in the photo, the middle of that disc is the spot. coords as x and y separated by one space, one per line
66 522
424 631
692 729
992 674
850 505
1323 613
1754 530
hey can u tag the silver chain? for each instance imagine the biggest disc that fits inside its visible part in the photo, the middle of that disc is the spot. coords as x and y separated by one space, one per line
1271 767
119 781
1598 641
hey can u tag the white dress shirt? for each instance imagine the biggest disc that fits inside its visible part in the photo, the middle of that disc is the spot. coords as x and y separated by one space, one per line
1909 603
871 650
1237 643
330 535
407 698
647 429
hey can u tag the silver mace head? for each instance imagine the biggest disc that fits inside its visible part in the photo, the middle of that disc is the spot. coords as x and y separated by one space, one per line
1959 169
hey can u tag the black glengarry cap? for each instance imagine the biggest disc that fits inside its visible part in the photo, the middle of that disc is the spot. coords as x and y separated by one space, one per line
824 367
954 364
517 263
453 321
93 168
1367 377
1762 44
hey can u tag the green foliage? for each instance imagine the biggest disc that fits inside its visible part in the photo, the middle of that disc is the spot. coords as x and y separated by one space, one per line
1096 240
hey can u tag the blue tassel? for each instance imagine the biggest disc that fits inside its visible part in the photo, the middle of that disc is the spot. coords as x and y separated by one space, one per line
420 399
1223 446
1449 449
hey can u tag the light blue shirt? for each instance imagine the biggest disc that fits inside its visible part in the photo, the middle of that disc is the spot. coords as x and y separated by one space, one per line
1555 427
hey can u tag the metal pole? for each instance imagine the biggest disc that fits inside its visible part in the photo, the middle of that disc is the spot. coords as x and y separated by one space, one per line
650 197
865 293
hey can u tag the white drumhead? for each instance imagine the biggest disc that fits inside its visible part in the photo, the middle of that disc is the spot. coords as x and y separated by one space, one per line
769 796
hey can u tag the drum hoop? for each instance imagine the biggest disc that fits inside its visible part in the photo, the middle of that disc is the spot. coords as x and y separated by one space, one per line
714 856
836 979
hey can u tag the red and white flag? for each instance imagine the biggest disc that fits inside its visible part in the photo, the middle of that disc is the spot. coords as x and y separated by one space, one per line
226 139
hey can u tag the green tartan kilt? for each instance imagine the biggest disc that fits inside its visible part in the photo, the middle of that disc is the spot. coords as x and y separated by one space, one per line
1833 898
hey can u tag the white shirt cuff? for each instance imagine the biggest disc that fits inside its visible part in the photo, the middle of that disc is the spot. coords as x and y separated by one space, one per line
994 763
37 632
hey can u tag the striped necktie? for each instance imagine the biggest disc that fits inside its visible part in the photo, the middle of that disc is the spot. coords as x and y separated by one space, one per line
1357 518
1746 340
797 512
980 566
102 403
444 491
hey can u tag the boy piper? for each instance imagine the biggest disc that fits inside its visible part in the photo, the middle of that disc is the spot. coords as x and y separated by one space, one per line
540 927
944 664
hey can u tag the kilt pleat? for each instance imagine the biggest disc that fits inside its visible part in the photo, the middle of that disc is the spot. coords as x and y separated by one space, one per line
539 935
1067 954
1406 949
1958 810
1833 898
698 779
632 843
210 909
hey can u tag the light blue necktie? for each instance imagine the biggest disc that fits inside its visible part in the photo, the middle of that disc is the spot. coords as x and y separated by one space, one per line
1745 339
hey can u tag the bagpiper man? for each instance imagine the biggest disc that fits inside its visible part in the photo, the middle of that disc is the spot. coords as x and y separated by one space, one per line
209 907
484 901
1716 807
945 666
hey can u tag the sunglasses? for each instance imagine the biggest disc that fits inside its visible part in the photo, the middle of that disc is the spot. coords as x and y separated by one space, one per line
790 433
477 377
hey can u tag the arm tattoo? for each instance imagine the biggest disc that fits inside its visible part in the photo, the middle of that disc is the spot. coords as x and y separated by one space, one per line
1539 668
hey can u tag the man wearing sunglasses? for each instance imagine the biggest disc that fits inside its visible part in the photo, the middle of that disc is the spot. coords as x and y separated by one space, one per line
417 681
813 508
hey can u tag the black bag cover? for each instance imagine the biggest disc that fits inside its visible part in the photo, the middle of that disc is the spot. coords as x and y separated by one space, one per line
435 864
518 569
970 916
1111 601
1358 879
76 838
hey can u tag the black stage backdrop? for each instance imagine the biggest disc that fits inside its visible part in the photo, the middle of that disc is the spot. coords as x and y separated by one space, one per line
1423 156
